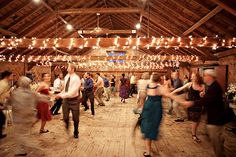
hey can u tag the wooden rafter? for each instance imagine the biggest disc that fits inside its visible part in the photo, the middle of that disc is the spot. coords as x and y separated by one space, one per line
69 19
25 17
7 32
225 7
40 21
5 3
15 10
196 15
99 10
143 8
172 12
50 9
108 42
105 2
203 20
222 17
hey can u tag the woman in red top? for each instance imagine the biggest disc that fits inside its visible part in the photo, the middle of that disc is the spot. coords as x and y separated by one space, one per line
43 107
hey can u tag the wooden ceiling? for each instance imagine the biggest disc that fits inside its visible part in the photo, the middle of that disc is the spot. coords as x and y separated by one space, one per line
47 19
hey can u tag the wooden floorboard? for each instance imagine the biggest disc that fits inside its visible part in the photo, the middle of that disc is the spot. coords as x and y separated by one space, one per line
109 134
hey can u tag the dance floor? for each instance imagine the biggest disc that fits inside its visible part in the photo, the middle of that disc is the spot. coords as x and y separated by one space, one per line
109 134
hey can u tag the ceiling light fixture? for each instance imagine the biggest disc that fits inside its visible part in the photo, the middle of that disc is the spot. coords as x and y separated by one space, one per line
69 27
37 1
138 26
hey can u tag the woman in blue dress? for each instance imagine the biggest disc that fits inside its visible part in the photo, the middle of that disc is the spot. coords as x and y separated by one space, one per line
152 112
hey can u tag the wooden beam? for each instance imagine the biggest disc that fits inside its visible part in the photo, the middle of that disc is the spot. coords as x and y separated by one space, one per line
203 20
72 20
5 3
50 8
143 8
15 10
141 14
120 42
107 31
225 7
25 17
2 51
7 32
40 21
99 10
231 52
105 2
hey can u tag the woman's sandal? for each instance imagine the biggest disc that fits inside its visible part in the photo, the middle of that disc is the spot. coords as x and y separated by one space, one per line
196 139
146 155
44 131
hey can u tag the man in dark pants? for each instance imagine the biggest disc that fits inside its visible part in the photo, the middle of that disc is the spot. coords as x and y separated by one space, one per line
88 93
70 96
212 100
7 77
58 87
2 122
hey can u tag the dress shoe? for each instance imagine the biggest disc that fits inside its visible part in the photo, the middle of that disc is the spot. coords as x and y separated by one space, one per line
3 136
76 136
179 120
21 154
54 114
146 155
86 108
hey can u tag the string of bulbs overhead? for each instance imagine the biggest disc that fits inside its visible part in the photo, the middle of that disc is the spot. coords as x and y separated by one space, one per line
123 43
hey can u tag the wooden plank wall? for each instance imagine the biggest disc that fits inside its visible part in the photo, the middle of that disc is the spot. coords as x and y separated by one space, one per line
17 68
231 62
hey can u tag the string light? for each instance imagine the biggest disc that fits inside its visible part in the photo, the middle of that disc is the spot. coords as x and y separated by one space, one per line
111 62
118 42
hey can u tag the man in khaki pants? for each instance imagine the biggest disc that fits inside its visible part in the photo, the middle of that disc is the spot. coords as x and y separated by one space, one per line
99 90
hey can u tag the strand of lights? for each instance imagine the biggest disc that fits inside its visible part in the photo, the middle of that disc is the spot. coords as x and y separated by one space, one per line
123 43
42 60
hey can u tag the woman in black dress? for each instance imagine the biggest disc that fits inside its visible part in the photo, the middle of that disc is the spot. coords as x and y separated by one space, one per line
195 88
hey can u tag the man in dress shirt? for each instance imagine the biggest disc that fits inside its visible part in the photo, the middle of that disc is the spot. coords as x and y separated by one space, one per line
132 85
99 90
70 96
88 93
177 83
58 87
7 77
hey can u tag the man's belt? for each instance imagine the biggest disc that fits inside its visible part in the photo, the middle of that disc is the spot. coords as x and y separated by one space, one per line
71 99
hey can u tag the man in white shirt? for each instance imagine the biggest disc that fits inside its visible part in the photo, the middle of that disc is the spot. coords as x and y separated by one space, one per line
132 85
58 87
7 77
99 89
70 96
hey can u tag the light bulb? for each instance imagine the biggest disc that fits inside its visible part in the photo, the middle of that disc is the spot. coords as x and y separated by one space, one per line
37 1
138 26
69 27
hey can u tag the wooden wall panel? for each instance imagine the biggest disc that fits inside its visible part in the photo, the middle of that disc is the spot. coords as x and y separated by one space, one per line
17 68
39 70
231 62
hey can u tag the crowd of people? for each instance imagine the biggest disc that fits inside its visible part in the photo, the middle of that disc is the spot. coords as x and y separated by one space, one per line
196 94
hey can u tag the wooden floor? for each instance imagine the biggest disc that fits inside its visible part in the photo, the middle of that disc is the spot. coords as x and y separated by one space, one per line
109 134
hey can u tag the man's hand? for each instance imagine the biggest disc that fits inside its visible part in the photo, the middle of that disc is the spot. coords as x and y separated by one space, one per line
57 96
188 104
